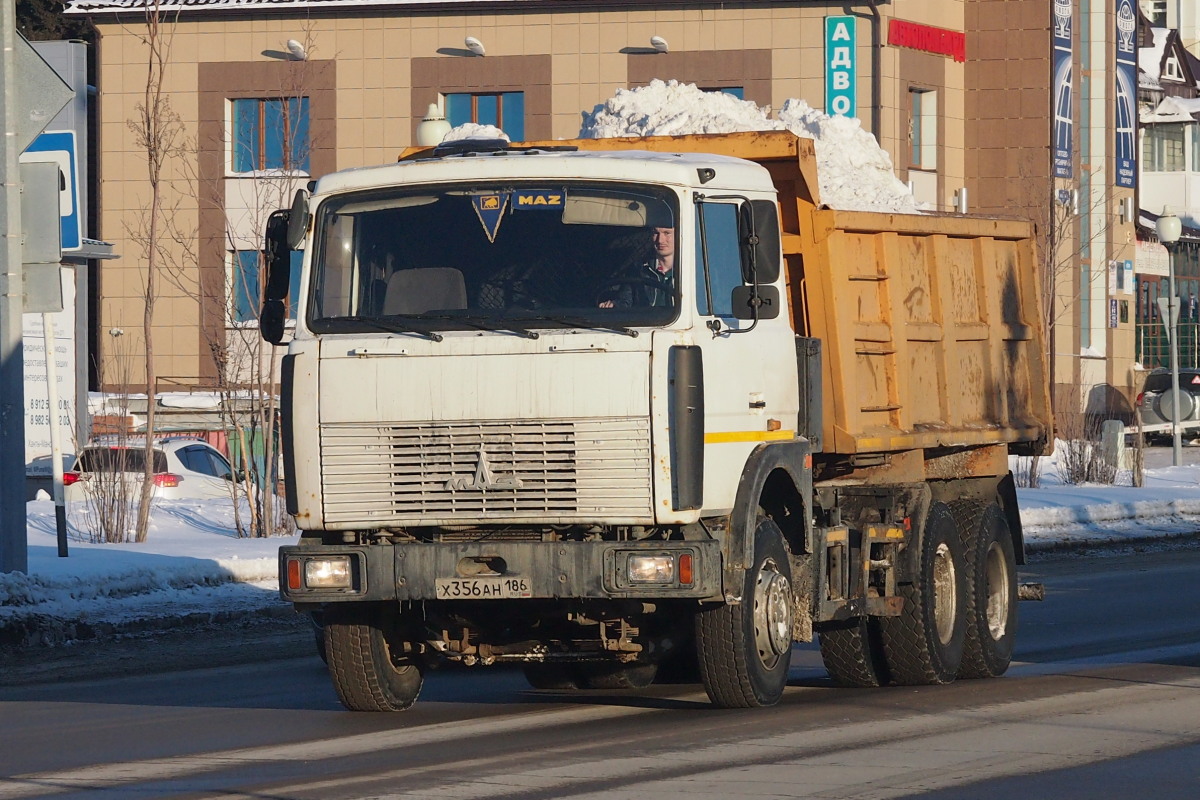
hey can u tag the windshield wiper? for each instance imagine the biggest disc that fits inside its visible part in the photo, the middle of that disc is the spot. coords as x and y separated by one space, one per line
393 323
479 323
578 322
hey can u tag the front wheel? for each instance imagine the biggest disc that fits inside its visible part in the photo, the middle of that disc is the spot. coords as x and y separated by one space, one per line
744 651
369 674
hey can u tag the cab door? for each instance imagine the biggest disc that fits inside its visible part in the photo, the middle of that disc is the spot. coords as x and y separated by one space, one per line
749 366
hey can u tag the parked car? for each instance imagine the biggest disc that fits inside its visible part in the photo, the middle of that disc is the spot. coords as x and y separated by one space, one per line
1154 403
183 468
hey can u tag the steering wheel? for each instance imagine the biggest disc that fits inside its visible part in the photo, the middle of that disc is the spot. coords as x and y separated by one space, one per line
609 290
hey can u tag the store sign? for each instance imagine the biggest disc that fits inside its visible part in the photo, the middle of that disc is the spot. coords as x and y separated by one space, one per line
1152 259
1125 114
841 67
1061 83
928 39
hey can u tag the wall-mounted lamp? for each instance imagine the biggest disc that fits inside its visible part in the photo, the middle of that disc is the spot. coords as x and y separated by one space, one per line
1125 209
474 45
960 200
296 50
433 128
658 43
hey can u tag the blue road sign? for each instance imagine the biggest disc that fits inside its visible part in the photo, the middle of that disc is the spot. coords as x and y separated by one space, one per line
59 147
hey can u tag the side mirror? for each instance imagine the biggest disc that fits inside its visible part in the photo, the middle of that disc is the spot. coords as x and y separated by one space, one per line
759 233
278 258
298 220
746 299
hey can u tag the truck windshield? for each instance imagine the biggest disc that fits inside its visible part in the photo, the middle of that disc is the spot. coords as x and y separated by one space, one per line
496 257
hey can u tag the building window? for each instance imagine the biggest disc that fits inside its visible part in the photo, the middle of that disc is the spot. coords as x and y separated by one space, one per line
504 110
736 91
1156 10
246 289
1171 69
270 134
1162 148
923 126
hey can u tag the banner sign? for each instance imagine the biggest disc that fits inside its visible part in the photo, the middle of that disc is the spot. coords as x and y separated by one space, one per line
1125 96
928 39
841 60
1062 85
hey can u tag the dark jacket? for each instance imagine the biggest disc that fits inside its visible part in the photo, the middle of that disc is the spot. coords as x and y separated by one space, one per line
642 286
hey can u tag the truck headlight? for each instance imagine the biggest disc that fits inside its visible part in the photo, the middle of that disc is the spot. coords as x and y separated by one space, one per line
327 573
651 569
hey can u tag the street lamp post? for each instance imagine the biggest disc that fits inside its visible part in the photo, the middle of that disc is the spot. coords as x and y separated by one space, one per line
1169 229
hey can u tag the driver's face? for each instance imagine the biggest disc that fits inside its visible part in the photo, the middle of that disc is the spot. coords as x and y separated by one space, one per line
664 242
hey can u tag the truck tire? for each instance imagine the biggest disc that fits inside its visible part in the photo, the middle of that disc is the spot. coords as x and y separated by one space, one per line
366 674
924 645
744 651
551 675
618 676
990 597
851 657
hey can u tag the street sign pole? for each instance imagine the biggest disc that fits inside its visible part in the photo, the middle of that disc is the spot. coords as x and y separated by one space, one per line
14 547
31 94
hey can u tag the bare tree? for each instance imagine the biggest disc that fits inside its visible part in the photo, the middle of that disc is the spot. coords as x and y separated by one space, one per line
1059 210
158 131
246 367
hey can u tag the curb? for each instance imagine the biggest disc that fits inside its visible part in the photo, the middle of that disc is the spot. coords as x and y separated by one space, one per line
43 632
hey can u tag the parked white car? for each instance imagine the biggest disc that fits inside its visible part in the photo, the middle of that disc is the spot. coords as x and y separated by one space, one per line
184 468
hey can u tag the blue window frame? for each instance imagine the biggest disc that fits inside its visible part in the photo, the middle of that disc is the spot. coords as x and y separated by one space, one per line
505 110
247 284
270 134
736 91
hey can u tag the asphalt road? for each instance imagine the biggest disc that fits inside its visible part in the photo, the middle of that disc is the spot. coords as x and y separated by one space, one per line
1103 702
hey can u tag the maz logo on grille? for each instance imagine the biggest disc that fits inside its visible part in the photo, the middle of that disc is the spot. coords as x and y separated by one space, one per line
483 478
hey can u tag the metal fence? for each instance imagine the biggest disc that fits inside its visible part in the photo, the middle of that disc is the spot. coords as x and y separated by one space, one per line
1153 349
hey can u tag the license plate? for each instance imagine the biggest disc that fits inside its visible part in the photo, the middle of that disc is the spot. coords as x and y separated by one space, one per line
482 588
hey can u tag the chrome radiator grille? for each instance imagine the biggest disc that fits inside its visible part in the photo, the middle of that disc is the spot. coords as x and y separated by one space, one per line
518 471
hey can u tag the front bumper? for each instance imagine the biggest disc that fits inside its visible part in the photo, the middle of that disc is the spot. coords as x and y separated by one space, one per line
547 570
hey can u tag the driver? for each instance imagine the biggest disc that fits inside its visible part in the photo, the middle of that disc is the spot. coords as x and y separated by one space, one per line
651 281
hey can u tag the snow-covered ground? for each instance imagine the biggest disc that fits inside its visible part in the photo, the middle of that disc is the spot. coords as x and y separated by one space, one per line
194 566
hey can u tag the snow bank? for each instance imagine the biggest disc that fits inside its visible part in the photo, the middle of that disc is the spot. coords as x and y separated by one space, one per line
854 172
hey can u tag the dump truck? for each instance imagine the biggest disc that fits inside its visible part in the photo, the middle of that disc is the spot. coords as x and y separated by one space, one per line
516 430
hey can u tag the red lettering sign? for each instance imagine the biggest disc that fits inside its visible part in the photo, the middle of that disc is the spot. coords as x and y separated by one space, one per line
928 39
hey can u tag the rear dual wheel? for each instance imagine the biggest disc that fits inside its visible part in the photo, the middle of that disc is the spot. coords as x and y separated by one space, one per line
589 675
852 653
991 592
924 644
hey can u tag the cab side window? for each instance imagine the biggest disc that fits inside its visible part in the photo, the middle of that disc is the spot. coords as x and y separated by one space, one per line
718 262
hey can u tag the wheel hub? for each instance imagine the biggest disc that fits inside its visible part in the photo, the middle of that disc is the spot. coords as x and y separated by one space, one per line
945 593
772 614
998 600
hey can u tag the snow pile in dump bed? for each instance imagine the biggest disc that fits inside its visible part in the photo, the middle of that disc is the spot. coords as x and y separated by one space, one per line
853 171
471 130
